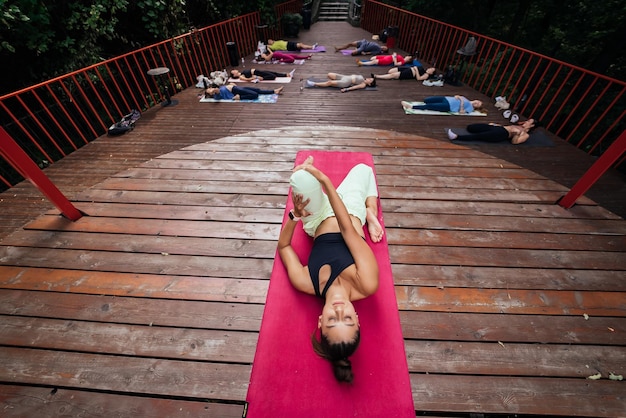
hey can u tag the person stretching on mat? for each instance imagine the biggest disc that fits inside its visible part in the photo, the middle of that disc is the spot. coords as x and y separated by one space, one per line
413 72
490 132
285 57
253 74
454 104
341 267
363 47
344 82
234 92
393 59
281 45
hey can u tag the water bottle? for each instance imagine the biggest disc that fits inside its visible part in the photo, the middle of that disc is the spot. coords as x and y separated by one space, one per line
243 62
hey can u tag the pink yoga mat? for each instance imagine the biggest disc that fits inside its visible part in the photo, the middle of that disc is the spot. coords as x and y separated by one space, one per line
289 379
317 49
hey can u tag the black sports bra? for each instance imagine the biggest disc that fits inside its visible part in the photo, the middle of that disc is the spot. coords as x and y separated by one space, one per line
328 249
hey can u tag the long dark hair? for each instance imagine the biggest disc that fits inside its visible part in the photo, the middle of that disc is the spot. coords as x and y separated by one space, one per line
337 354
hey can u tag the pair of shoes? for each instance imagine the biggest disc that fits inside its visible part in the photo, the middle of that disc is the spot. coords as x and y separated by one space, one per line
438 83
512 117
451 135
291 72
309 83
314 45
427 83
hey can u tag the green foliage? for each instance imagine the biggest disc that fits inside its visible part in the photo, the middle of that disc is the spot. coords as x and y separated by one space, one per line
163 19
586 33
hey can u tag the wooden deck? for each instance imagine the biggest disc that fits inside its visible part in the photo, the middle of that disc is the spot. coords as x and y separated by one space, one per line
150 306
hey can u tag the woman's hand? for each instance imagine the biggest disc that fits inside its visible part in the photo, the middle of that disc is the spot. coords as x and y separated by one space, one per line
299 205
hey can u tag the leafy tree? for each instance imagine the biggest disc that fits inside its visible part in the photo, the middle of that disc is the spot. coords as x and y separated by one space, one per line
44 39
585 33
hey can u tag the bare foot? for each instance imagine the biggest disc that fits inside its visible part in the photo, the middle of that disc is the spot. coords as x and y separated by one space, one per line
374 227
279 90
307 162
406 105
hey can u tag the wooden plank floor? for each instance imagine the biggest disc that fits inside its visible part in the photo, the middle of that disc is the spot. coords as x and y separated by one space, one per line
150 306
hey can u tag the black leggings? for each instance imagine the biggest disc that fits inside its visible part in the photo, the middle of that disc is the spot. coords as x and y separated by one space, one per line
485 132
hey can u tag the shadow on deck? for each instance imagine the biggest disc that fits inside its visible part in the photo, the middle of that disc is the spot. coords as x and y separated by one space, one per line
151 305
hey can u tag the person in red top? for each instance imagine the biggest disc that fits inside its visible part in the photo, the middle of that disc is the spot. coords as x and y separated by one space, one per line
393 59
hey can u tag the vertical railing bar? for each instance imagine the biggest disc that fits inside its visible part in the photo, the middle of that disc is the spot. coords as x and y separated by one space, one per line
26 132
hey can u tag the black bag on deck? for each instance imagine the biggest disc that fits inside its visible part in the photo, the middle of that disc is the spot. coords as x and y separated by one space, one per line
451 77
127 123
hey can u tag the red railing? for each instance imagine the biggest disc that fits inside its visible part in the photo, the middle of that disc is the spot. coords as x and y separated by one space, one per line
54 118
586 109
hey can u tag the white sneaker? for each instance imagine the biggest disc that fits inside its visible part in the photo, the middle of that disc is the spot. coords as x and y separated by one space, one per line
427 83
309 83
438 83
314 45
291 72
451 135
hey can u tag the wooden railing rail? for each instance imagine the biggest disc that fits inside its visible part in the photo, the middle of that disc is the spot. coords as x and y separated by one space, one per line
584 108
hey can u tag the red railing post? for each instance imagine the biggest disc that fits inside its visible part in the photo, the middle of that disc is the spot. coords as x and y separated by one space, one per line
588 179
19 160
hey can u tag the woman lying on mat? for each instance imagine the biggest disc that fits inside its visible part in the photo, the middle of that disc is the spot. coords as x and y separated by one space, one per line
489 132
253 74
345 82
281 45
393 59
234 92
342 267
454 104
413 72
285 57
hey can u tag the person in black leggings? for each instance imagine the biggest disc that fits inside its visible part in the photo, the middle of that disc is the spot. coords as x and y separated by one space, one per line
487 132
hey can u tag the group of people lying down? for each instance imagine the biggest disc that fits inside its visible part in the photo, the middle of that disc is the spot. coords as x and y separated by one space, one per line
403 68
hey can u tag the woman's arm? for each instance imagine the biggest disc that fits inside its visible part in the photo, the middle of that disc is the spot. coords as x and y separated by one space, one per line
355 87
298 274
421 77
461 100
520 138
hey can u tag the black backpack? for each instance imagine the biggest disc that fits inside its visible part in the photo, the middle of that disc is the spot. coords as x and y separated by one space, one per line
451 77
